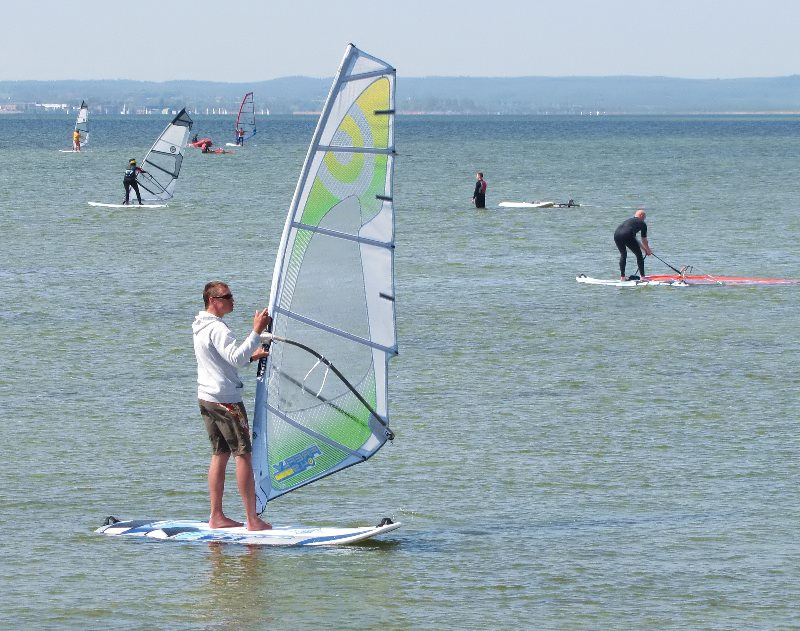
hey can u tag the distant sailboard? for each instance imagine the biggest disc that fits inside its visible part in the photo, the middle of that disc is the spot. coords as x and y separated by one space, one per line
245 121
162 165
163 162
81 126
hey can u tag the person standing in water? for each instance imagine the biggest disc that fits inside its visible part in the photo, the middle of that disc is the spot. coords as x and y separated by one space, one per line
479 195
219 392
625 239
76 140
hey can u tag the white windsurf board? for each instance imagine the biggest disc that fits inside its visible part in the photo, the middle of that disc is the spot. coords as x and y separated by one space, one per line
527 204
131 205
588 280
199 531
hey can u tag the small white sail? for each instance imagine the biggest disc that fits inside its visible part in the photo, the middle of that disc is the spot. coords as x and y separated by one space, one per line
82 123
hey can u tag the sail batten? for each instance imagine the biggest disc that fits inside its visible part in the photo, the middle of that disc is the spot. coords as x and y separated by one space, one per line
364 75
322 395
342 235
317 436
343 149
339 332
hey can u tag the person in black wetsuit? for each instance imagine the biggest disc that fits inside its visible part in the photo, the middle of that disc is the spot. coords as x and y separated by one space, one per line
625 238
479 196
129 181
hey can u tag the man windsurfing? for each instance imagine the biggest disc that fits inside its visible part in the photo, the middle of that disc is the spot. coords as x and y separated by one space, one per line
129 181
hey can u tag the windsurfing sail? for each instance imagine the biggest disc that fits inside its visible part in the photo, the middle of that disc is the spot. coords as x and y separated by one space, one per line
322 395
82 123
163 162
246 120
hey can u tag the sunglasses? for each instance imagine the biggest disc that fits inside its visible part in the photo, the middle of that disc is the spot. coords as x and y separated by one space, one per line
227 296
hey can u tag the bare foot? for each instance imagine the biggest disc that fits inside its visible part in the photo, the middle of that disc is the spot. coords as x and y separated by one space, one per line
225 522
259 524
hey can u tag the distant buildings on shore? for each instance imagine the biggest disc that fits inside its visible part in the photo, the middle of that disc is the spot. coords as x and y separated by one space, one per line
578 96
62 108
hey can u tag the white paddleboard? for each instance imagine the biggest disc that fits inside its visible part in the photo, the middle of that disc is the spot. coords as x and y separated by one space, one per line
131 205
588 280
191 530
232 144
527 204
69 151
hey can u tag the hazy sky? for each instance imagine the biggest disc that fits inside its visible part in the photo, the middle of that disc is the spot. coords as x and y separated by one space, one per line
252 40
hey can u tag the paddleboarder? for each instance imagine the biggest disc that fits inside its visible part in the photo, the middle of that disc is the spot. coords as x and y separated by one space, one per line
625 239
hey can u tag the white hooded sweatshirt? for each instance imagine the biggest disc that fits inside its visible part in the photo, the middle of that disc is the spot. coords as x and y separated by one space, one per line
218 359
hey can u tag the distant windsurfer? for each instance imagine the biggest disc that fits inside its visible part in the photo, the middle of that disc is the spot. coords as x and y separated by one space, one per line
625 239
219 392
76 140
129 181
240 136
479 196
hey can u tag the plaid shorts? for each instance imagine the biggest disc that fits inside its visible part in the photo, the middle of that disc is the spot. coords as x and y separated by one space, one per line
227 427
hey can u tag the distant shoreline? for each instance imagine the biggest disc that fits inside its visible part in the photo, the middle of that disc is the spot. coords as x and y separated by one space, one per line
484 96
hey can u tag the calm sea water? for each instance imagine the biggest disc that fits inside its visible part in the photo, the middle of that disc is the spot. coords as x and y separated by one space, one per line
566 456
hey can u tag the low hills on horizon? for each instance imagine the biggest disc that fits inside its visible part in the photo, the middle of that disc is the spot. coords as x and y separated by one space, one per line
440 95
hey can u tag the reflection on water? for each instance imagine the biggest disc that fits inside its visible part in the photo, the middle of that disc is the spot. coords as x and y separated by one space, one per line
235 593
